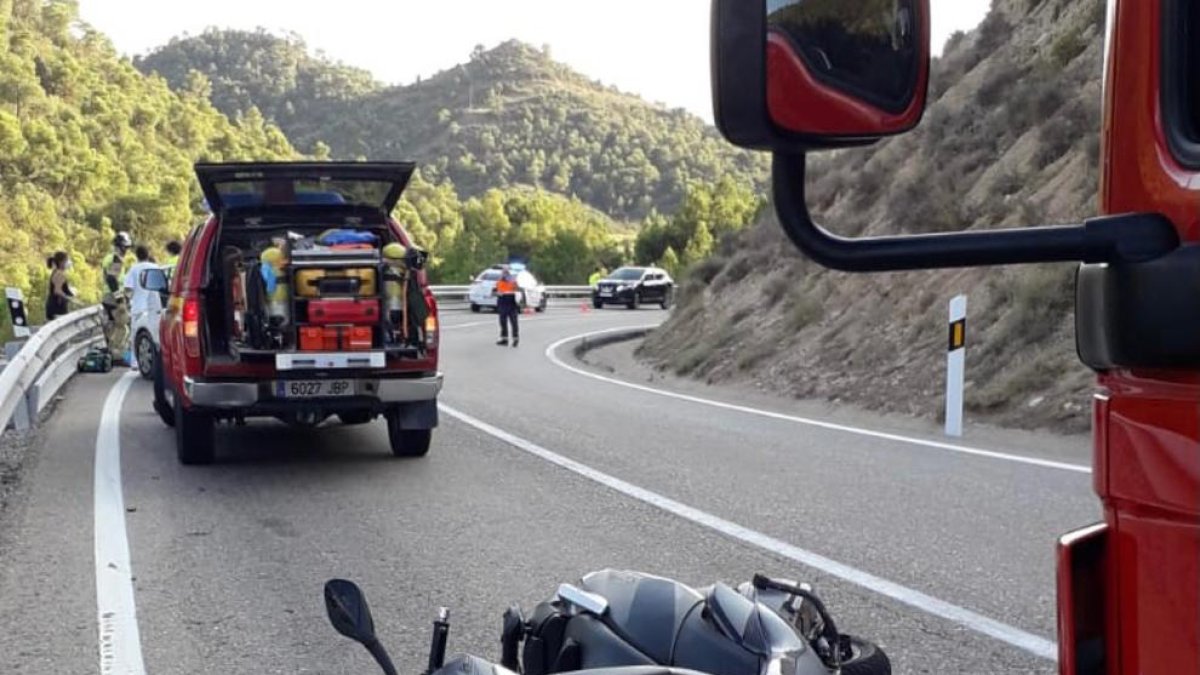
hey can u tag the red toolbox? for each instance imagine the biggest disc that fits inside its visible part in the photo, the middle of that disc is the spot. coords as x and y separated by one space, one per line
336 338
343 311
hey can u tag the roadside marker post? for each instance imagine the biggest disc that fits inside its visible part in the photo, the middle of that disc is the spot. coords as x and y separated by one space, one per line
16 311
956 357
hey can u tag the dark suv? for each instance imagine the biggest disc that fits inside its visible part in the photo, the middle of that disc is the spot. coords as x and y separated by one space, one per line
633 286
299 298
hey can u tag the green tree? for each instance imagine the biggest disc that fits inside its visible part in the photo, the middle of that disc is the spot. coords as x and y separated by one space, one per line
670 262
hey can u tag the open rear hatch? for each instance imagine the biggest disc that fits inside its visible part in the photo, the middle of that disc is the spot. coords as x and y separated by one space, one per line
286 186
305 272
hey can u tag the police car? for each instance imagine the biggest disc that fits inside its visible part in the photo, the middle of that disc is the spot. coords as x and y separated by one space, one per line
533 293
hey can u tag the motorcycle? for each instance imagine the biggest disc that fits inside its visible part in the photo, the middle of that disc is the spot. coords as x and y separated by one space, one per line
630 623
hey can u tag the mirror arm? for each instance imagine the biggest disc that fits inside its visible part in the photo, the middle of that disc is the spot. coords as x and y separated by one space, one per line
1112 239
381 656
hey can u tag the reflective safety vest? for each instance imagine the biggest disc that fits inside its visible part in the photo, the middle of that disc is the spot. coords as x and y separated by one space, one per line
506 287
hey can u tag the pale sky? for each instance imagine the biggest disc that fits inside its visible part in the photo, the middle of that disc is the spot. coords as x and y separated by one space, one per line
655 48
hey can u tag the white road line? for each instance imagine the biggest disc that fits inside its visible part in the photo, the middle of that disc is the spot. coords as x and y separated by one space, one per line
120 645
551 353
1011 635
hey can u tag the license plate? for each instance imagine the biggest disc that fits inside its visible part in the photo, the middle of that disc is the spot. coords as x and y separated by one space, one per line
314 388
606 294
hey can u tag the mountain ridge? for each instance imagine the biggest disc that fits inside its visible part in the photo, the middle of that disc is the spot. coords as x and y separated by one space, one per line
510 115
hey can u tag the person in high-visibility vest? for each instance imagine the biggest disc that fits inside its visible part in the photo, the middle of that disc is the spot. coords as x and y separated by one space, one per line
508 307
114 264
174 248
115 320
596 276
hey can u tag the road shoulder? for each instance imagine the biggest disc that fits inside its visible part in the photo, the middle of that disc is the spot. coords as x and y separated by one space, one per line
618 360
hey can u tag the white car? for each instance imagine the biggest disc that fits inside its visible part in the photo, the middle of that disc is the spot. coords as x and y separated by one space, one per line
533 293
154 282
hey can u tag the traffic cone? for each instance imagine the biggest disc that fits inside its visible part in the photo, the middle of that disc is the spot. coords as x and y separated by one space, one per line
583 307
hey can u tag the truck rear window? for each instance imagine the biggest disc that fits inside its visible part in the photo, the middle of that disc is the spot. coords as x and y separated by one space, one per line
1181 79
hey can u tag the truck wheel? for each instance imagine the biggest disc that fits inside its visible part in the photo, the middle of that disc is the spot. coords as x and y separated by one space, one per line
194 435
356 417
165 412
143 353
407 442
474 308
865 658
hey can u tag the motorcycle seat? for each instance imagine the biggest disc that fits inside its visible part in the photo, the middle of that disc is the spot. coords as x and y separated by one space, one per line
644 610
473 665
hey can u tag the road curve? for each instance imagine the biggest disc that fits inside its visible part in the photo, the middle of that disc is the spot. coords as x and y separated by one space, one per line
228 560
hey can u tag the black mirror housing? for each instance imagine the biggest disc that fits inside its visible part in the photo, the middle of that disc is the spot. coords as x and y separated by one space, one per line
348 611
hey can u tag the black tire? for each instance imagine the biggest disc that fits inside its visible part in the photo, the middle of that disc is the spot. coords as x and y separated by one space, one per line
144 353
634 302
866 658
161 406
542 305
667 300
356 417
407 442
596 304
194 435
475 308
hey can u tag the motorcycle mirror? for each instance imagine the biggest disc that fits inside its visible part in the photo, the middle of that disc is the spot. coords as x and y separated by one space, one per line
348 611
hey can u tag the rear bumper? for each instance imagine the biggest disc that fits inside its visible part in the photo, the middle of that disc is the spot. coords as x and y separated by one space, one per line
245 395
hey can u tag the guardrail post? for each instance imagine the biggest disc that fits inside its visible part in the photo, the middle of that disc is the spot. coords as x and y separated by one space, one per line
21 419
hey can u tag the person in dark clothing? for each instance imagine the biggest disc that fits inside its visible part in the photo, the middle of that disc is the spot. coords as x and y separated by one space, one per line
60 295
507 307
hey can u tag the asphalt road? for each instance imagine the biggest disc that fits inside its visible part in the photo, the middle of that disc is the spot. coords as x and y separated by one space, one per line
229 560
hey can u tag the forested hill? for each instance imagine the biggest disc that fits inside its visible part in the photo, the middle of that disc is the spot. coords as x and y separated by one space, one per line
244 69
88 145
509 116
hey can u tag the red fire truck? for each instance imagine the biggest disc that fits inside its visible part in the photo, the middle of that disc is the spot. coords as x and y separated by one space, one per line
800 76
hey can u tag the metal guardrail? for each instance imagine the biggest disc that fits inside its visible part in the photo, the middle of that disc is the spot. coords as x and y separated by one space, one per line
44 364
46 361
453 295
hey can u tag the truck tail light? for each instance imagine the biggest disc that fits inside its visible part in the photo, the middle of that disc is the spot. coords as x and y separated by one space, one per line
1082 610
431 332
191 327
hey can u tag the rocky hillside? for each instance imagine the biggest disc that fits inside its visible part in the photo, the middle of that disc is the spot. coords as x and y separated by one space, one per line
508 116
1009 140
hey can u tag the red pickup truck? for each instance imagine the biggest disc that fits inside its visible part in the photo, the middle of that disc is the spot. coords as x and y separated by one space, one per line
299 298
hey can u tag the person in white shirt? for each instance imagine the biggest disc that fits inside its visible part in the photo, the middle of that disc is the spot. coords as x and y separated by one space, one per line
139 297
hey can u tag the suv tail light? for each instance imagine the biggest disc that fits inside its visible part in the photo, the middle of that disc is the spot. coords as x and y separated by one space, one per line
191 327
